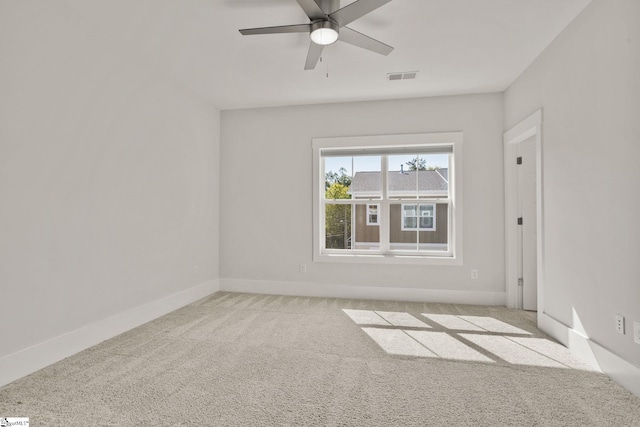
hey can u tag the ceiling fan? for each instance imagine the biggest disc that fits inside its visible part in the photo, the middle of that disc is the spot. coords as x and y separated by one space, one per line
327 25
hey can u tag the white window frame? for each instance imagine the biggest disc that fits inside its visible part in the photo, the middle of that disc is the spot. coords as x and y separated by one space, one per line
377 222
417 217
404 142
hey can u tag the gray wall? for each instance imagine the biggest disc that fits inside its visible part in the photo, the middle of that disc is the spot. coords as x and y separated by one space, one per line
266 183
588 84
108 179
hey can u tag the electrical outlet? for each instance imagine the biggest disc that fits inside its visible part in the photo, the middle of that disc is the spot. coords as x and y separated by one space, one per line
303 268
474 274
636 332
195 269
620 324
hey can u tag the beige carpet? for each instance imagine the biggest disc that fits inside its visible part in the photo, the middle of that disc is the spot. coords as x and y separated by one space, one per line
244 360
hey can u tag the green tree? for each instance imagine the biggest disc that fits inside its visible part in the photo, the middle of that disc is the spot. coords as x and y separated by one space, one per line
420 164
337 191
337 218
417 164
339 177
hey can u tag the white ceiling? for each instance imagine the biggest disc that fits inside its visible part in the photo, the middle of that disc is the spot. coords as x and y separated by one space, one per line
458 46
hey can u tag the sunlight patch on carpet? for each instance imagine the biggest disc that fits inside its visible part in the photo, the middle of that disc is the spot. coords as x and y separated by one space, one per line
402 319
365 317
494 325
511 351
463 338
555 351
447 347
396 341
450 321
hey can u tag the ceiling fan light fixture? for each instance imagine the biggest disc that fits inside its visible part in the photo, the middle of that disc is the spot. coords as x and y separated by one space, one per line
324 32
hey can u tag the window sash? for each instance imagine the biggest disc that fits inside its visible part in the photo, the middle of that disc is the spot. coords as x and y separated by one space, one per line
384 206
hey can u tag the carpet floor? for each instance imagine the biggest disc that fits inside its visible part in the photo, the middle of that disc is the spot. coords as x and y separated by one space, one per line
244 359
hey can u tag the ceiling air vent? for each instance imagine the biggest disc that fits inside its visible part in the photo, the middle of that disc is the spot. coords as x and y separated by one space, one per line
407 75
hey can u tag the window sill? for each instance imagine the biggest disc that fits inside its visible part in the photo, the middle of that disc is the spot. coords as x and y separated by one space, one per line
388 259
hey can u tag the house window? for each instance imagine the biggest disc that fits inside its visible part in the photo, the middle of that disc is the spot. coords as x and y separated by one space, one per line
388 198
372 215
421 217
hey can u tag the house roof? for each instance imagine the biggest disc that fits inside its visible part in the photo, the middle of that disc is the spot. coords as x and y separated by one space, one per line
401 182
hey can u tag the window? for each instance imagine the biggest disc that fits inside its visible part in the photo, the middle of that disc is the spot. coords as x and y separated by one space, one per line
390 198
419 216
372 214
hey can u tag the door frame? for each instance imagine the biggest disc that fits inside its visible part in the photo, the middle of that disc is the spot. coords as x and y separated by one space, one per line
529 127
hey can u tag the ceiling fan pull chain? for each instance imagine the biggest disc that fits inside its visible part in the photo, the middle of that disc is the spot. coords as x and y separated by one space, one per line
327 62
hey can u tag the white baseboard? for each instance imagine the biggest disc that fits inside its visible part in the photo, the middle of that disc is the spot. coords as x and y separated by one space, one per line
31 359
624 373
362 292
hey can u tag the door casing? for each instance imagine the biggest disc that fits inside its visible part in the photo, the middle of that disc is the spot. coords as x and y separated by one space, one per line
528 128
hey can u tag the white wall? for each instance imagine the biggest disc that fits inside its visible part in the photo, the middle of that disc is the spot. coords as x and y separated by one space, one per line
266 203
108 181
588 85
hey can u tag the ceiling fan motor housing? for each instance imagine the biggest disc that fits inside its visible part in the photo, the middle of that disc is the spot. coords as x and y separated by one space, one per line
324 32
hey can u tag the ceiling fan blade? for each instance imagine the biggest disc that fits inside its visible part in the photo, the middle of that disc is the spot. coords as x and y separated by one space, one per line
355 10
312 9
315 50
355 38
299 28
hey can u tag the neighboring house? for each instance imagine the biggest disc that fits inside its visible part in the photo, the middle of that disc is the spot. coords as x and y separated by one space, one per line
410 221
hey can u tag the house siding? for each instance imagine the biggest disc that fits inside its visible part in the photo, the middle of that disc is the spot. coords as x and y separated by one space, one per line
365 233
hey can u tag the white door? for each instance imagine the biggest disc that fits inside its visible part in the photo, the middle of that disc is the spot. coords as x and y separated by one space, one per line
527 222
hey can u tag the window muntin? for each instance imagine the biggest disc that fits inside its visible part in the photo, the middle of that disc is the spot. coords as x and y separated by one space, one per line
432 231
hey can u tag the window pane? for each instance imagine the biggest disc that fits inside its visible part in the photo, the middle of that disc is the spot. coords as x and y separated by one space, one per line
337 226
433 180
433 234
367 178
436 239
402 179
357 177
427 213
337 177
426 222
367 234
426 210
409 210
403 234
410 222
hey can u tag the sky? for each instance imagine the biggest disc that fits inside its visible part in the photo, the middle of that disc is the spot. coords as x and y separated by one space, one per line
372 163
